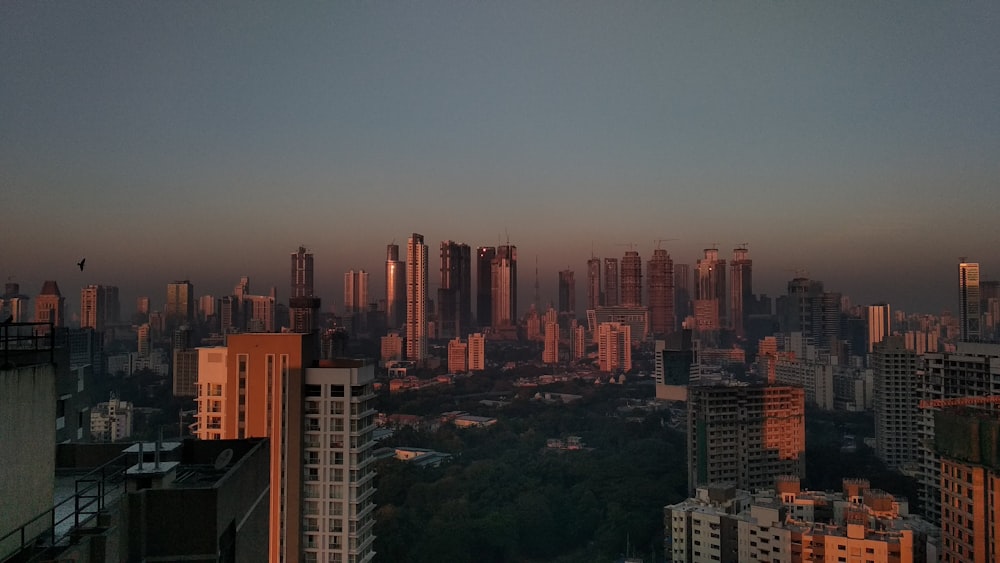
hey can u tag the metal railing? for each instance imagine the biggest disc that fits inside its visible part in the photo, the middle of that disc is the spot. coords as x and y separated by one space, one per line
92 493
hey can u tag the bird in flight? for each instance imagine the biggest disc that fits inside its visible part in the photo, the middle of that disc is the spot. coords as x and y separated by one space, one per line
80 263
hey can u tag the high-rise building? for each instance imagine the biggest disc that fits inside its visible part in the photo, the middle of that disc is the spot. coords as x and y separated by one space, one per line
319 417
879 319
745 435
50 305
180 304
631 279
303 304
477 352
973 370
92 307
355 292
660 277
484 285
895 400
458 356
966 442
614 347
259 312
682 292
503 294
578 342
416 298
611 282
740 290
454 302
550 353
710 297
356 298
395 288
567 292
594 297
969 305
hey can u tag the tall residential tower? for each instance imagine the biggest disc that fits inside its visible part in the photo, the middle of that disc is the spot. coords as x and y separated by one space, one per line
416 298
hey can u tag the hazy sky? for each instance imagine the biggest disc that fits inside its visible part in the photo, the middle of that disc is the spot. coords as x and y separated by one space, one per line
857 141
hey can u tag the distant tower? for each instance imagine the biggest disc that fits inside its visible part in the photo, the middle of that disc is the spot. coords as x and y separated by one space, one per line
50 305
395 288
594 299
969 306
614 347
660 277
567 292
611 282
13 304
631 278
99 306
879 321
710 291
740 290
303 303
504 286
416 298
180 304
454 302
682 292
477 352
484 285
356 298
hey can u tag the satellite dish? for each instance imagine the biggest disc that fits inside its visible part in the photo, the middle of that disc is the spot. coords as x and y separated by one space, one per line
225 456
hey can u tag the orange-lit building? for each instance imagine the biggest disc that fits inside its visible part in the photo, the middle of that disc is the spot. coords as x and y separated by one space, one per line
318 417
968 442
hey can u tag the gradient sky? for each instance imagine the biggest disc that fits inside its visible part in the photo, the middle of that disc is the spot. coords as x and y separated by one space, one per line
857 141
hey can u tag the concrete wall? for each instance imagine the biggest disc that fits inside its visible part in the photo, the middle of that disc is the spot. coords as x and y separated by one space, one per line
27 445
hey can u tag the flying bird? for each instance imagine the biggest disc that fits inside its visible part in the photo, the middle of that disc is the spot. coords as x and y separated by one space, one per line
80 263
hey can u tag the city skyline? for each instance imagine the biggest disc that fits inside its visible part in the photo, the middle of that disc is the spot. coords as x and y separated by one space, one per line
855 142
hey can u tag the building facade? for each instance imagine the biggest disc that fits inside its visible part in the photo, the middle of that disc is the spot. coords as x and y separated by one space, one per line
614 347
969 302
395 288
660 276
303 304
416 298
631 279
611 282
503 294
454 297
745 435
740 290
896 377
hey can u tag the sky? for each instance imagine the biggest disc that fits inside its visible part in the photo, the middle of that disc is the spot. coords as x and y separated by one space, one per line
857 142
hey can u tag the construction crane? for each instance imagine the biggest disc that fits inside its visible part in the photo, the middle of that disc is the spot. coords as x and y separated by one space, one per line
799 272
960 402
631 245
660 240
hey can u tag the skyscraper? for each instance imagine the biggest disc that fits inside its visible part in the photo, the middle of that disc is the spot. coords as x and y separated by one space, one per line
303 303
710 298
682 292
356 297
969 312
484 285
611 282
454 300
660 276
631 279
740 290
416 298
50 305
180 304
477 352
504 286
550 353
319 417
567 292
395 288
99 306
896 394
879 320
594 298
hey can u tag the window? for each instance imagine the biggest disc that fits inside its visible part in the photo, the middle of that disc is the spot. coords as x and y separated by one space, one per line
336 390
313 391
337 407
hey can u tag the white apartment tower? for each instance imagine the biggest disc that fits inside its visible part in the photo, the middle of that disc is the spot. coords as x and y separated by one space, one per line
416 298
